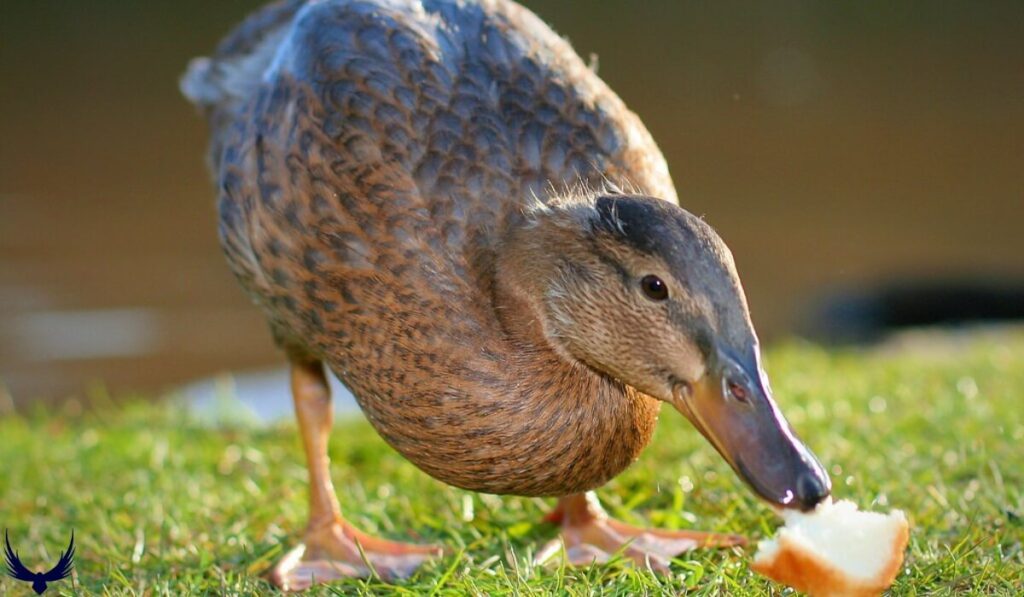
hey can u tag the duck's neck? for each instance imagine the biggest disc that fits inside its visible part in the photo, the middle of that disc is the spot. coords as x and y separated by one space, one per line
578 427
509 413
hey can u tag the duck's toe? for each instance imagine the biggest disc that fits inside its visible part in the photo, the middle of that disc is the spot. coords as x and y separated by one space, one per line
339 550
590 536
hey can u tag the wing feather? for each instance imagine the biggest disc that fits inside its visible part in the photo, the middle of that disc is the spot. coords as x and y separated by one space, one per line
64 565
15 569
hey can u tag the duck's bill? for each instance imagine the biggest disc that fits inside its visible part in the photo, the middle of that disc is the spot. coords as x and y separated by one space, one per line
740 419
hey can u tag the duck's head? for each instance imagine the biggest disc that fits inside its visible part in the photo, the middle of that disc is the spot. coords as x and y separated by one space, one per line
643 291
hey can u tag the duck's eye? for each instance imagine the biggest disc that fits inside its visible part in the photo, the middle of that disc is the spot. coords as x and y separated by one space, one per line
738 391
654 287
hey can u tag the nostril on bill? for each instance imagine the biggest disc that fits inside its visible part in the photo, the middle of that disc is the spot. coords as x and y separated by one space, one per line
810 490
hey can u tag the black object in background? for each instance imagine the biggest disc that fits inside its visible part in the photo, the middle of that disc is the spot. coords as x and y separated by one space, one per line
865 315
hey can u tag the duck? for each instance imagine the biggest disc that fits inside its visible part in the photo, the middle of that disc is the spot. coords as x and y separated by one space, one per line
442 204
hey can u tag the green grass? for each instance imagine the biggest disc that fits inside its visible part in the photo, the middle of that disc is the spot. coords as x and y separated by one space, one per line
162 506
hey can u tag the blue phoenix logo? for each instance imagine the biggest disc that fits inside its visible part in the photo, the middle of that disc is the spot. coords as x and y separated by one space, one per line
17 570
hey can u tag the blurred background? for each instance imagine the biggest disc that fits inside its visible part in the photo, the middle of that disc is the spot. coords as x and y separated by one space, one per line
865 162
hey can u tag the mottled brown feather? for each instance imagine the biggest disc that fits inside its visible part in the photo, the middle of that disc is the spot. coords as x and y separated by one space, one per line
366 186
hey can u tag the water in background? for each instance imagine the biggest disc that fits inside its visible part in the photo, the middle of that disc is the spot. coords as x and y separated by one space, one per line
831 144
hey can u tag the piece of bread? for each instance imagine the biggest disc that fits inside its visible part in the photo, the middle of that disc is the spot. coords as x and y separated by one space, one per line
835 550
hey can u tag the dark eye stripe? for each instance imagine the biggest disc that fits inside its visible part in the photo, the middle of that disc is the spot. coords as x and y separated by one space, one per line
627 278
654 287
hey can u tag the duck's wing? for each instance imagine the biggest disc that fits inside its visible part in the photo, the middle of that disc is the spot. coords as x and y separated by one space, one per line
481 101
441 84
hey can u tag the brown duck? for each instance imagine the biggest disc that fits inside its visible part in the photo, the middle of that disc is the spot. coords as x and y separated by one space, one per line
439 201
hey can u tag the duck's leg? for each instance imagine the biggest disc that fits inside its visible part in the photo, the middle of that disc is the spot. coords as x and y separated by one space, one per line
332 548
591 536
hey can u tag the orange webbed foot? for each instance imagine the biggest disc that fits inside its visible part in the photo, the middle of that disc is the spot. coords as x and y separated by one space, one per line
590 536
338 550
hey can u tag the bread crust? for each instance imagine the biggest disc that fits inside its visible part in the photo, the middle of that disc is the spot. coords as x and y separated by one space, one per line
806 571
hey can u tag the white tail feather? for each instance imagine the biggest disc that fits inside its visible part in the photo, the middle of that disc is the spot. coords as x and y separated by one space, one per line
229 80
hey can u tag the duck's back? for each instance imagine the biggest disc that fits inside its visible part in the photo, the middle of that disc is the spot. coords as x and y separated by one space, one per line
435 86
369 152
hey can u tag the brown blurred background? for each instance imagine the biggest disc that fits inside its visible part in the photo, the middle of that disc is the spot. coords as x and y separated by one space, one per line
834 145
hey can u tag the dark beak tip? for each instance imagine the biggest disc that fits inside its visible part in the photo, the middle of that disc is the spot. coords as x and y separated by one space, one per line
811 488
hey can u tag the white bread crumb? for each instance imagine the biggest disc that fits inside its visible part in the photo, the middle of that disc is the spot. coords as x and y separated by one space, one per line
835 550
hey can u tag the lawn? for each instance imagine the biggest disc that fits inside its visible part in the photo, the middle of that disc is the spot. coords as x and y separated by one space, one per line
162 505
